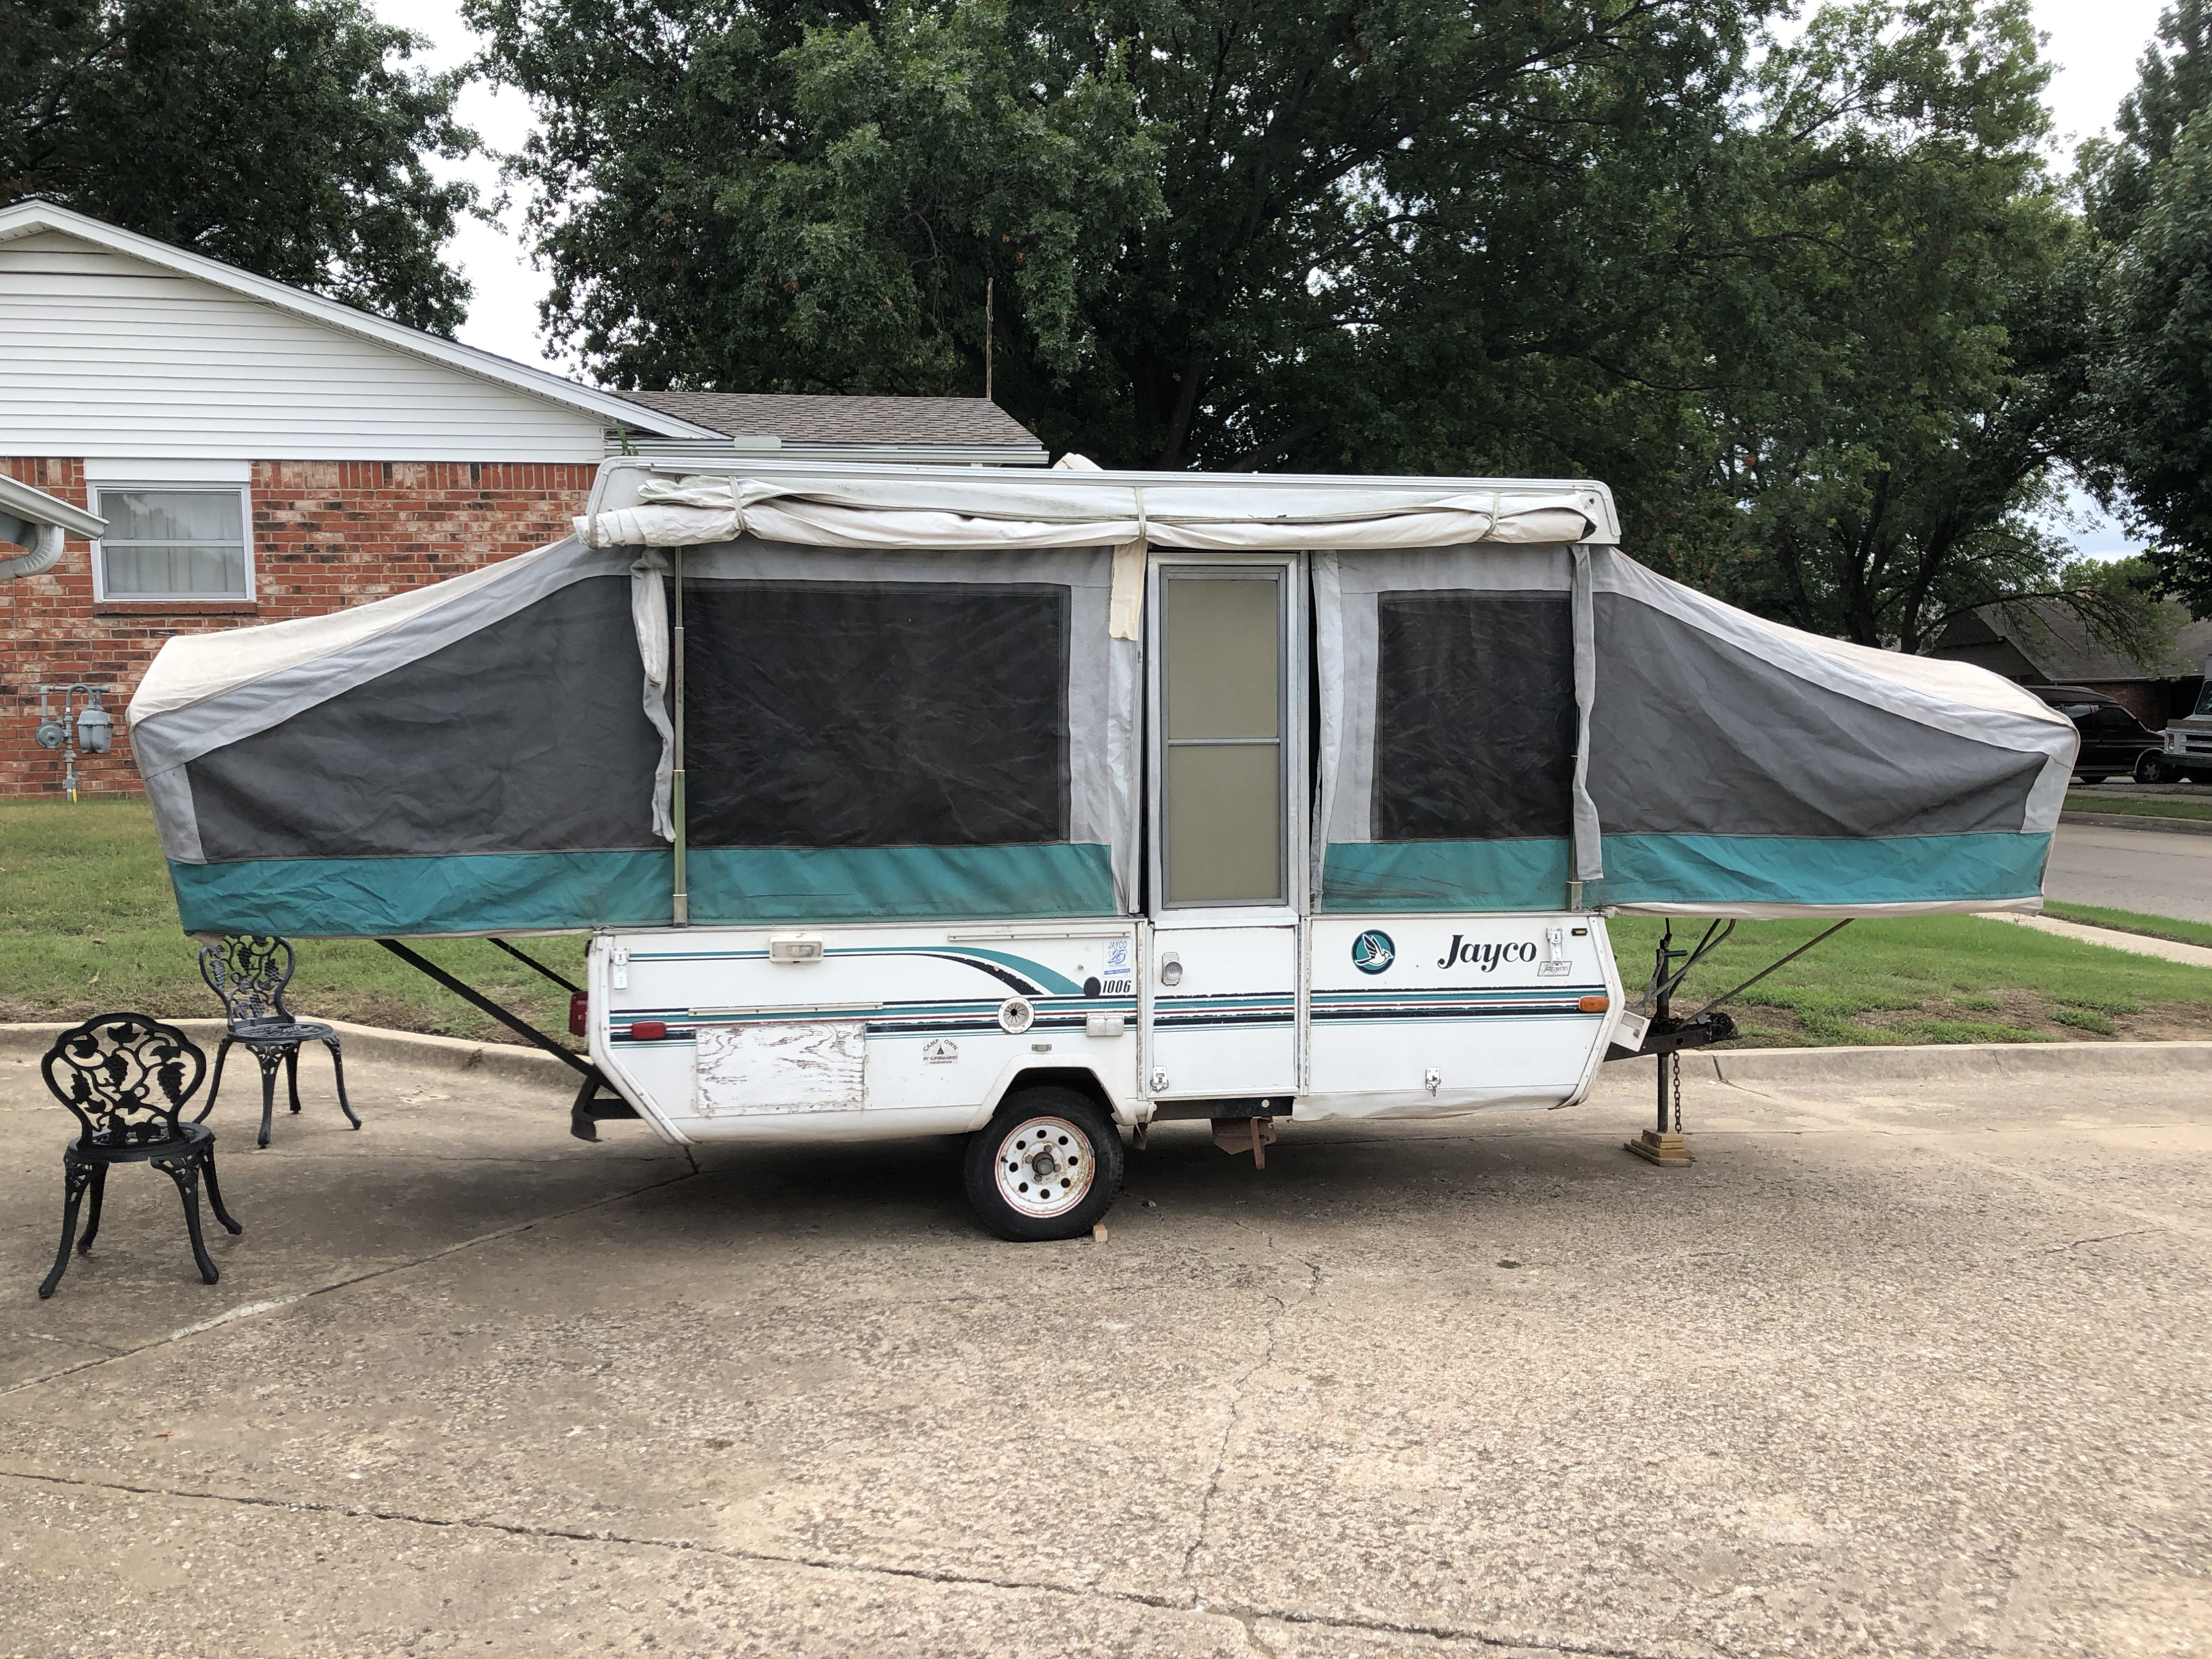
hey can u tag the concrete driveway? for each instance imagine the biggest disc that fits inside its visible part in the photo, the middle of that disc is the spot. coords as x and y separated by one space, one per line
2144 870
1920 1371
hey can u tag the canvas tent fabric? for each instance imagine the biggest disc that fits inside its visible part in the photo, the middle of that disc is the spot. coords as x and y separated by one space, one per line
1717 764
493 753
915 695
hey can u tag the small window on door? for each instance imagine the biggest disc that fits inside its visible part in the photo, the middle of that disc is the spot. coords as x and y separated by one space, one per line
1223 712
172 543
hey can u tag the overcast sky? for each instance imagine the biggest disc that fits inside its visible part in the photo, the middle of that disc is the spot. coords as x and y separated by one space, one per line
2094 44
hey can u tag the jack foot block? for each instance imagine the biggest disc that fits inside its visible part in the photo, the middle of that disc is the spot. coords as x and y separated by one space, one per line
1668 1151
1245 1134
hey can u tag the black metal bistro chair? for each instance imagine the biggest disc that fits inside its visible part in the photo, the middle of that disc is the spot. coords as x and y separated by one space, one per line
127 1077
249 972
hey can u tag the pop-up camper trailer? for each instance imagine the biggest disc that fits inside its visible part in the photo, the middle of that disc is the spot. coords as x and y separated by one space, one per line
905 801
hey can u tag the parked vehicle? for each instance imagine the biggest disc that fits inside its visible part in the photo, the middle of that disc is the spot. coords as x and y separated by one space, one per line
2113 739
1039 808
2184 747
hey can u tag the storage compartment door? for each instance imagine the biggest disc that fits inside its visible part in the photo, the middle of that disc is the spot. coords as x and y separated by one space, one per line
1226 1027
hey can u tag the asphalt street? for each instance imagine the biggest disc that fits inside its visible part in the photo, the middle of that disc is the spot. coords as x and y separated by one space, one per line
1908 1368
2141 870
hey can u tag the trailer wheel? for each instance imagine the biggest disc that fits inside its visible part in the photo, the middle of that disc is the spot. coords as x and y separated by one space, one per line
1047 1166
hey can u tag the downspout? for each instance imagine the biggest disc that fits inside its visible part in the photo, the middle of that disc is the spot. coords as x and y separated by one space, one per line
41 559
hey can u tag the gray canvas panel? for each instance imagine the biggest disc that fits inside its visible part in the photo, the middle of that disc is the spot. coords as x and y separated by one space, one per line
1694 735
522 737
1590 852
1103 676
1344 587
170 795
174 737
1804 658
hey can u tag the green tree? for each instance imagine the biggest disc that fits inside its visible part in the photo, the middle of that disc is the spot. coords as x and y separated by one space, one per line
2156 438
1217 228
2149 194
1815 310
1918 377
286 137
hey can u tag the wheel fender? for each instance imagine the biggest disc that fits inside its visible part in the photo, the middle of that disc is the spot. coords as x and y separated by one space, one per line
1070 1070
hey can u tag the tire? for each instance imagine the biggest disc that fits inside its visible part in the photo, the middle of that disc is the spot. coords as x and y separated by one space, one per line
2089 777
2151 769
1048 1125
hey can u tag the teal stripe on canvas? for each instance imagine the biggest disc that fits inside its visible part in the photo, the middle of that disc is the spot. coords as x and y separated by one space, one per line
883 884
463 893
501 892
1652 869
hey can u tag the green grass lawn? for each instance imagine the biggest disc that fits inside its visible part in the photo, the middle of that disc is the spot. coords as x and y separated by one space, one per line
1929 978
87 922
2140 806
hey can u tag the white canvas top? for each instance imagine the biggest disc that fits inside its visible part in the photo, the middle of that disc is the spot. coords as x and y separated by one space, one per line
686 503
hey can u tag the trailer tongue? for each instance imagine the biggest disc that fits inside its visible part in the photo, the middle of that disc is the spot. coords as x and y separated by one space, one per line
1034 806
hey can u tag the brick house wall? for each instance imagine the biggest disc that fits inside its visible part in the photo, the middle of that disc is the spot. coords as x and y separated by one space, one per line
326 535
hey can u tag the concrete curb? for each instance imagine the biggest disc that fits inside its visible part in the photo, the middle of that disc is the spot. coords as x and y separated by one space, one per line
1947 1061
501 1060
2112 939
1904 1062
2138 820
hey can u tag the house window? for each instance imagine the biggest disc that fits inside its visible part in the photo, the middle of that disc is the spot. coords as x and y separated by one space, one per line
173 542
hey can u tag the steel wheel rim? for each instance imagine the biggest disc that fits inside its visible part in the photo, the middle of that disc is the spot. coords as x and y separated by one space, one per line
1044 1167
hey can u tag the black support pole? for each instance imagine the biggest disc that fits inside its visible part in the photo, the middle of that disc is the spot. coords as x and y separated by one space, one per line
522 1028
564 982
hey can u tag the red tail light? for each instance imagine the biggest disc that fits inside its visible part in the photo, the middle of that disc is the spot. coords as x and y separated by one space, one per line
580 1011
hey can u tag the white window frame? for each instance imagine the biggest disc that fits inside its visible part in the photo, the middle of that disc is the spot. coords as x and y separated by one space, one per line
195 486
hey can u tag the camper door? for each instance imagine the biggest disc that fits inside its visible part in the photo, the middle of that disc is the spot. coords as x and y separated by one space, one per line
1226 877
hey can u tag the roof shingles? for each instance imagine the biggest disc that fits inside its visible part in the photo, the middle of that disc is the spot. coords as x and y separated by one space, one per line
965 422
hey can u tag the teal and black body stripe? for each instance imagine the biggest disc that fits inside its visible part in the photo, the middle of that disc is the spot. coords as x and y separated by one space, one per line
902 1019
1249 1011
1519 1002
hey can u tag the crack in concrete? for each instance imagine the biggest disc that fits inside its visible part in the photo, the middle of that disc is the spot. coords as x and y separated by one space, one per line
2101 1238
1245 1614
252 1309
1236 1407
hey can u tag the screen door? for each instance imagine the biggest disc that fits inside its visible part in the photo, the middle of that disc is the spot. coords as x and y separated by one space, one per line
1222 1008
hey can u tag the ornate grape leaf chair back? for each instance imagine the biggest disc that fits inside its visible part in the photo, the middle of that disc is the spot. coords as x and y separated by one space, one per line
248 972
127 1077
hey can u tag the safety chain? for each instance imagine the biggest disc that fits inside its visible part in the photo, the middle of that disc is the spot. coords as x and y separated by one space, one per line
1675 1060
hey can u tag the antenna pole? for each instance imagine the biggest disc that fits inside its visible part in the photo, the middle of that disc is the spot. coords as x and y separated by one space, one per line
990 323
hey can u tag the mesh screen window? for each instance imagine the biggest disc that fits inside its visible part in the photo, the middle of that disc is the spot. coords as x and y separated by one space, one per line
875 713
1475 717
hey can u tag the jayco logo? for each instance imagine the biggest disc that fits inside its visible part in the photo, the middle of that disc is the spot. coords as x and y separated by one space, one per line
1486 957
1372 952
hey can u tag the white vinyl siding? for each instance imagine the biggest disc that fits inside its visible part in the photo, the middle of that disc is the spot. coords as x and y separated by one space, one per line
173 542
108 355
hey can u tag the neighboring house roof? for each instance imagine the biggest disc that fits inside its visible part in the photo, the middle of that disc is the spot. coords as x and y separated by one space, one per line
844 422
34 218
124 346
2046 642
